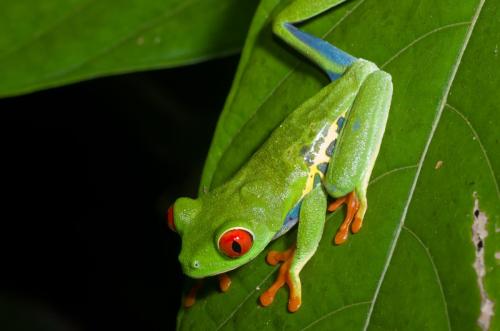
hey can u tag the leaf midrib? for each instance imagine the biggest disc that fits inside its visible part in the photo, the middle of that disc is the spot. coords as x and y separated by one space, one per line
435 123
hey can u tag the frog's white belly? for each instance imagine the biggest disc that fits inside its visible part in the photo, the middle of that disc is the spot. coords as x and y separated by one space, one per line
317 158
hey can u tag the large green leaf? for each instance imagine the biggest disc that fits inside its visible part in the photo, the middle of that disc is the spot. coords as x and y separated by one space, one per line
54 42
422 260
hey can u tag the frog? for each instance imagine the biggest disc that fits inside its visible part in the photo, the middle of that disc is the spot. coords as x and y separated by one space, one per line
317 160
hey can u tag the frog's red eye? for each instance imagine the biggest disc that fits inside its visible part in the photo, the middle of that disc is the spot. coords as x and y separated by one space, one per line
235 242
170 218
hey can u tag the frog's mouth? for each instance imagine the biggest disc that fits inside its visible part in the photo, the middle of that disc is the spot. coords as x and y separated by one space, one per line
198 274
197 268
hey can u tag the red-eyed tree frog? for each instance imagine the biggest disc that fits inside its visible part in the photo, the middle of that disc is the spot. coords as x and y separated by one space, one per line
325 148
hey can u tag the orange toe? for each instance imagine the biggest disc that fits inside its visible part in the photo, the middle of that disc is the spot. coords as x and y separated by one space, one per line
336 204
341 237
224 282
273 257
190 298
294 304
352 203
356 225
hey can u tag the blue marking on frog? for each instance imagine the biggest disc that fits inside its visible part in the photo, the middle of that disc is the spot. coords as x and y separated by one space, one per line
290 220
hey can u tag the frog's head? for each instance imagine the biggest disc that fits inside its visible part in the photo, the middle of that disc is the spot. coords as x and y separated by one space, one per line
217 238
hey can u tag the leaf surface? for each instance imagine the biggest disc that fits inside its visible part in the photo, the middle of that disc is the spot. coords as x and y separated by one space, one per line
413 265
54 42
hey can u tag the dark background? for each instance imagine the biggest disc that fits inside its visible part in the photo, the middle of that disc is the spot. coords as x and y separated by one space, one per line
87 172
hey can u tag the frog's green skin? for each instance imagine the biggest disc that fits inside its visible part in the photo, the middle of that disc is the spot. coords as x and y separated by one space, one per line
288 170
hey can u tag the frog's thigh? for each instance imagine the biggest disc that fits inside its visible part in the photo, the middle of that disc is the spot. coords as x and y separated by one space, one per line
311 223
354 157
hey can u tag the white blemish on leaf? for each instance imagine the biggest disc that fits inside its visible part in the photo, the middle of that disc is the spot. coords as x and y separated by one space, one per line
438 165
497 255
479 233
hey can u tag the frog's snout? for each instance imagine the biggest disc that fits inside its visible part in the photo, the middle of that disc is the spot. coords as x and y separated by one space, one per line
192 263
191 267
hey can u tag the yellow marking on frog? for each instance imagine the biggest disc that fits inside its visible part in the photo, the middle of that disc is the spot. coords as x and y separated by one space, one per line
317 154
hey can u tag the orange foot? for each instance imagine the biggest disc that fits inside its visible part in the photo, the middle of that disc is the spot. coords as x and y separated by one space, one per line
190 299
352 202
273 258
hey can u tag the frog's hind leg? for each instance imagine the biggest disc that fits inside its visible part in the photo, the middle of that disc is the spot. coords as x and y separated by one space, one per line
354 156
331 59
312 219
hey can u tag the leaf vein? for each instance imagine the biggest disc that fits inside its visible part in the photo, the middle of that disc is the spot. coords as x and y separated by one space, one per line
238 307
434 268
425 35
68 15
476 135
338 310
390 172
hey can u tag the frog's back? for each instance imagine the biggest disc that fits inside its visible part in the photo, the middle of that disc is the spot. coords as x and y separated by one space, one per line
301 147
316 122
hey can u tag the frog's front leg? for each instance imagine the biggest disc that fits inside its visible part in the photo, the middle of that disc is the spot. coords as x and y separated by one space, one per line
190 298
352 162
312 219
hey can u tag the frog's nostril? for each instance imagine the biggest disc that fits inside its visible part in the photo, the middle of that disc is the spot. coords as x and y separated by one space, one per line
196 264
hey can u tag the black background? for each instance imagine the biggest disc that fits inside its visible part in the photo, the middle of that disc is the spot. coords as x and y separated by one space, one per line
87 172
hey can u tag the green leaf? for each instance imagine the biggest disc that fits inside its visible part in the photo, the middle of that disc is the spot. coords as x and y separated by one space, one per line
53 42
413 265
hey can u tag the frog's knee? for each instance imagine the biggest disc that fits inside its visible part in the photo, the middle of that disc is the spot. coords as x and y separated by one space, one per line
337 190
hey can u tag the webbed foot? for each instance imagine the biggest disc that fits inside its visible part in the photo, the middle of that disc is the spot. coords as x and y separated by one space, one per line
284 276
353 218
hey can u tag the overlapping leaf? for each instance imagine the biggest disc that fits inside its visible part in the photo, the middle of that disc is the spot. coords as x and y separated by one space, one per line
416 265
54 42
